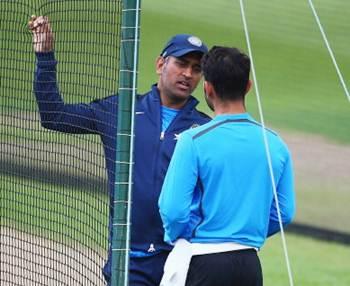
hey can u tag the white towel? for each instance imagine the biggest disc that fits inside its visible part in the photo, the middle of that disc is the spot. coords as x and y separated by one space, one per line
178 261
177 264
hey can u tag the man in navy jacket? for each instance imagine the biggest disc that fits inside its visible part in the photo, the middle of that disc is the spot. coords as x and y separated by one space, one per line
160 115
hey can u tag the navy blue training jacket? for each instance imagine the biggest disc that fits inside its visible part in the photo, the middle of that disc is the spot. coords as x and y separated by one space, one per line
152 152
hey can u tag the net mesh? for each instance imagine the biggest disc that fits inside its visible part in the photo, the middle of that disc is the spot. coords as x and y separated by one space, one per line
54 190
43 172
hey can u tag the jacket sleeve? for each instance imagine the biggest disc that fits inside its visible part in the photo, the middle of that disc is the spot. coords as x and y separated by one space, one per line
286 199
178 190
54 113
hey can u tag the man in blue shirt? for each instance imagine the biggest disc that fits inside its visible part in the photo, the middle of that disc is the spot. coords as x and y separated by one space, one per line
218 192
161 114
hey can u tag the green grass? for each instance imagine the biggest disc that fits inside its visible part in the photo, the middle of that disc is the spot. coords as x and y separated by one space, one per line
77 216
298 85
61 213
299 88
324 205
313 262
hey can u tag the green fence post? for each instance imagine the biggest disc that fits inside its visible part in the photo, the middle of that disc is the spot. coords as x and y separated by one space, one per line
126 100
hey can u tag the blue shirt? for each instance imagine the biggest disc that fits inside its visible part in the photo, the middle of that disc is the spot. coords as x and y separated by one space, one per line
168 114
235 202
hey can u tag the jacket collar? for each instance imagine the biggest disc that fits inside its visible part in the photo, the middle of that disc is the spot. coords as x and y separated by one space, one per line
151 104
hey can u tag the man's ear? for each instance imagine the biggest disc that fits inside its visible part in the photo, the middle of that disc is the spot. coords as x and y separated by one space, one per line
205 86
209 94
208 88
249 86
159 65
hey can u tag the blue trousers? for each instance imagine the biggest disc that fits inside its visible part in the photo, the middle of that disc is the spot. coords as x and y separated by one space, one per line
145 271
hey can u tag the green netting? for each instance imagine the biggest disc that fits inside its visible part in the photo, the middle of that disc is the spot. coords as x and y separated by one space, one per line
301 96
54 195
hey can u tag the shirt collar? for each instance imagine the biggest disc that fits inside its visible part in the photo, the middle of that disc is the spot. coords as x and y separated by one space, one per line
244 115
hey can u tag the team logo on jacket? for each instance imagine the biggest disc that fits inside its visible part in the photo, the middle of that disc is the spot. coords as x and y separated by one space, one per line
151 248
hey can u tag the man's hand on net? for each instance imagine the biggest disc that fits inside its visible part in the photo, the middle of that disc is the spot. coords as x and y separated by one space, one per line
43 38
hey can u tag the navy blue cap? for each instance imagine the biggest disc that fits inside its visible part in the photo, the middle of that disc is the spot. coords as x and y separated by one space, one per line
183 44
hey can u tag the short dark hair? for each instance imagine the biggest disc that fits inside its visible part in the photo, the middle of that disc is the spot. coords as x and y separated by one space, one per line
227 69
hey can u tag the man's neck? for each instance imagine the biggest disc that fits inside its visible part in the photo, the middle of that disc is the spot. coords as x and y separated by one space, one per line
229 107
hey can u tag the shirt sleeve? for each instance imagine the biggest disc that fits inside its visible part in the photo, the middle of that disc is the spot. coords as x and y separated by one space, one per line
54 113
286 199
178 188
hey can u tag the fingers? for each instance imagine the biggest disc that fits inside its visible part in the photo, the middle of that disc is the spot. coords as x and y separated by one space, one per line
31 22
43 39
35 22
